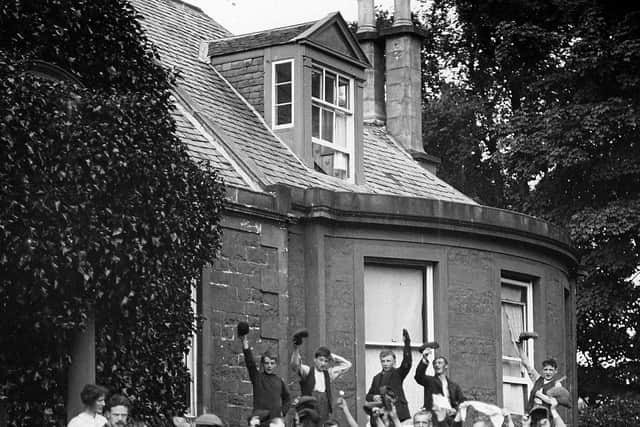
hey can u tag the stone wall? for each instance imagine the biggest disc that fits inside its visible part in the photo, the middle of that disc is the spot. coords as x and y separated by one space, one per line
247 283
247 77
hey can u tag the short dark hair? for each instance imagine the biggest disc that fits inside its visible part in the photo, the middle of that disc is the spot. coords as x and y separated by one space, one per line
270 354
446 362
91 393
387 352
330 422
119 400
550 362
323 352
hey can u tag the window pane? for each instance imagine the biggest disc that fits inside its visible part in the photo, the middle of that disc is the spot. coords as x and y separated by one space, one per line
513 323
343 93
330 87
341 129
316 83
512 368
327 125
315 121
283 114
340 165
384 287
283 93
513 396
514 293
283 72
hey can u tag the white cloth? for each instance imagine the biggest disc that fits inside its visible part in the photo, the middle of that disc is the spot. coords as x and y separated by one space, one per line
445 387
85 420
320 386
492 411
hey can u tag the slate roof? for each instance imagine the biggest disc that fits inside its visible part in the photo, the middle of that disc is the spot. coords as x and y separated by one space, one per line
200 147
240 132
257 40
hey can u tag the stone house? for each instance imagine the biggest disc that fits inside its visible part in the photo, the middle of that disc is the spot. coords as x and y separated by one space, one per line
336 221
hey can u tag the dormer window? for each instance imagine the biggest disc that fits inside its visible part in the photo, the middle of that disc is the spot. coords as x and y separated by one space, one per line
283 94
332 129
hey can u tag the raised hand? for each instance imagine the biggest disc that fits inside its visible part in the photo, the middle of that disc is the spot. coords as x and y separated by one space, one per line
405 336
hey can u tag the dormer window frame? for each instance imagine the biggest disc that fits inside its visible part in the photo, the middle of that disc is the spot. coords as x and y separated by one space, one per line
274 94
334 108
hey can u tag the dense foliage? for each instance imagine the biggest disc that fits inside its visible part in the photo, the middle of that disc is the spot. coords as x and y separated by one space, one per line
102 208
549 93
615 412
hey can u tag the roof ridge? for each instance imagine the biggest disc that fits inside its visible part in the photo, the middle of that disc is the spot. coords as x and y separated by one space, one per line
192 6
286 27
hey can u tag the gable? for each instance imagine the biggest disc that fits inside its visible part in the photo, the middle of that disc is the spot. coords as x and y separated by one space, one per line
333 35
332 38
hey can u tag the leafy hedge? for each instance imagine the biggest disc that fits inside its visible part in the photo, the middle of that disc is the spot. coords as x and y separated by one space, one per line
101 206
616 412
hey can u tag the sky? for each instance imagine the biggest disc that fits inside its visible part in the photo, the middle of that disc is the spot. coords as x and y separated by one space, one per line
246 16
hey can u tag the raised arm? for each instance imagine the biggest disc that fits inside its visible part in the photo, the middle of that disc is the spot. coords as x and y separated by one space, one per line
405 365
533 374
342 404
249 360
341 366
421 370
296 363
557 419
285 396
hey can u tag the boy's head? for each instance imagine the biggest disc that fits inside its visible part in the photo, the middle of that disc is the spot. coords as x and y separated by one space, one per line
269 362
118 410
322 358
422 419
93 396
387 360
549 368
440 365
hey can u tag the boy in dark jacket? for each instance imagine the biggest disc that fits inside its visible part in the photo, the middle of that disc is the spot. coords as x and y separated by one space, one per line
270 392
392 377
438 384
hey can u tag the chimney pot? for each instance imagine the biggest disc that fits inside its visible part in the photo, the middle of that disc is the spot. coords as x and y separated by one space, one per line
402 13
366 16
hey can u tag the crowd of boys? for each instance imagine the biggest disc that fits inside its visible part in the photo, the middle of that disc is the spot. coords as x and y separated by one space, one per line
386 404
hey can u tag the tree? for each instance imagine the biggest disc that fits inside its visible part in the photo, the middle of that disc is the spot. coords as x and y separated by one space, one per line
579 144
554 86
102 207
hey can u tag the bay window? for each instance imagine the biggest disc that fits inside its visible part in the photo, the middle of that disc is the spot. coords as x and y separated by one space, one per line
332 126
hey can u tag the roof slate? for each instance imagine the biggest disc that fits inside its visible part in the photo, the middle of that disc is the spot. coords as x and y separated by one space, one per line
177 30
200 148
256 40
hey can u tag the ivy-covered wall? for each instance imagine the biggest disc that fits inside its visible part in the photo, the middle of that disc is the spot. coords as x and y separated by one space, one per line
101 206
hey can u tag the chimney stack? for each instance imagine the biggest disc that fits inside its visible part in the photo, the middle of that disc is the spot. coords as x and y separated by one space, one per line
373 47
401 13
403 44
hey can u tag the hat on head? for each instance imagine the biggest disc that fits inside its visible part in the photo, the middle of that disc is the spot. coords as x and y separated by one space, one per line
209 420
308 413
539 412
306 402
